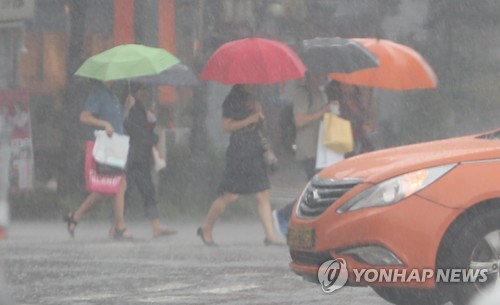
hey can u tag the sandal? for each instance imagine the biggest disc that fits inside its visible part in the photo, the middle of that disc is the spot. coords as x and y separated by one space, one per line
71 223
199 232
122 234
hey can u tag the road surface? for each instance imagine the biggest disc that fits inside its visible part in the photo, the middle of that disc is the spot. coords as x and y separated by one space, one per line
42 265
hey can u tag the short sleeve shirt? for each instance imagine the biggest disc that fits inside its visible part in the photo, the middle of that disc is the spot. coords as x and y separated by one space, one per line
104 105
307 100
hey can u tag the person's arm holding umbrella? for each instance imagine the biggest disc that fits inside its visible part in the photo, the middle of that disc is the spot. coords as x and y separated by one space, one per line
230 125
129 103
303 115
303 118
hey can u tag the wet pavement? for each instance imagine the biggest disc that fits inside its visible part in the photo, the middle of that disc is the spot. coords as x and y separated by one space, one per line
42 265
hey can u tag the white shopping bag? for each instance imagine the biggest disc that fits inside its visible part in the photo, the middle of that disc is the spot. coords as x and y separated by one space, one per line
325 156
159 161
112 150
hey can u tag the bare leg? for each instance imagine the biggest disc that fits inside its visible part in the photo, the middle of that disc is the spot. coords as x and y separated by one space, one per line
218 206
87 204
264 209
156 226
72 218
119 205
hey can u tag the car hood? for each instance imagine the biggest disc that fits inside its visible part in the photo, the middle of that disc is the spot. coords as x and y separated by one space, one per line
383 164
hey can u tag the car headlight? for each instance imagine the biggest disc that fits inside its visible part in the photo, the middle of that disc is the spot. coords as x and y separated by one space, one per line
395 189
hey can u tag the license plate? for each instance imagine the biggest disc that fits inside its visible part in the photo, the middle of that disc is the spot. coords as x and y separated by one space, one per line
300 237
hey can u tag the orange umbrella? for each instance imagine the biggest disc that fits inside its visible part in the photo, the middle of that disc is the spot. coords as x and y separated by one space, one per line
400 68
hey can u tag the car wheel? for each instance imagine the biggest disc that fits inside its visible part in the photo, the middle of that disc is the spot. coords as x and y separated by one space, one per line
476 246
402 296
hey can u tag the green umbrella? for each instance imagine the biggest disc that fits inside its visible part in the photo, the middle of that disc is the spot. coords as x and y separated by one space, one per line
127 61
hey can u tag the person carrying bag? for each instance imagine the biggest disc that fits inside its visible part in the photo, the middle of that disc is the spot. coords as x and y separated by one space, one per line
270 158
102 111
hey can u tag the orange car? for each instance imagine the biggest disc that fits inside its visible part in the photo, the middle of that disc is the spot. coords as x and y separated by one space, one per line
430 206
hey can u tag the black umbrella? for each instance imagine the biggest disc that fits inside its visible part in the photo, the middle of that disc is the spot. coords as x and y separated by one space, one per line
178 75
323 55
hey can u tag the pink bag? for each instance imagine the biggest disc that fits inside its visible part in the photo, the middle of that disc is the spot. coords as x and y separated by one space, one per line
103 184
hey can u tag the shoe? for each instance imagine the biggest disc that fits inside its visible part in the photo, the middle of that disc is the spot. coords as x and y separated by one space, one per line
165 232
199 232
269 242
280 224
71 224
123 234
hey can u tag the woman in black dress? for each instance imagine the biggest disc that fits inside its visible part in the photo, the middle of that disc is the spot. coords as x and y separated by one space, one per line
245 171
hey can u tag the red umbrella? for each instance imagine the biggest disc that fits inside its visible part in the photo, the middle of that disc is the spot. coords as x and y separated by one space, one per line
400 68
253 61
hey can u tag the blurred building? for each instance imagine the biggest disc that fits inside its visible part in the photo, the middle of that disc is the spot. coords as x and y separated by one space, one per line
13 18
35 45
191 29
107 23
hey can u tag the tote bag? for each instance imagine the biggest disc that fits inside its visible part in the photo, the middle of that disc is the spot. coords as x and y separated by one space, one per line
325 156
337 133
95 182
111 151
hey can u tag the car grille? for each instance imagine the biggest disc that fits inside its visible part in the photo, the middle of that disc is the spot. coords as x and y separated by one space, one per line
322 193
309 258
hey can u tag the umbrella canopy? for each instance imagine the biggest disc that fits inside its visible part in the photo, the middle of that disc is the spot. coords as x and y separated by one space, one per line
400 68
178 75
126 61
323 55
253 61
